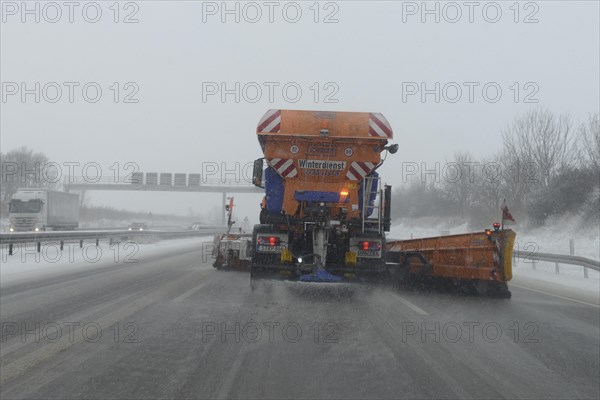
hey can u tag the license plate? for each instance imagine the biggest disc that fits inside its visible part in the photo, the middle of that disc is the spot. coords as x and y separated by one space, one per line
369 253
270 249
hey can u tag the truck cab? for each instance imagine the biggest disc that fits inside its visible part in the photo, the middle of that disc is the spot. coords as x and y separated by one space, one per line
27 211
32 209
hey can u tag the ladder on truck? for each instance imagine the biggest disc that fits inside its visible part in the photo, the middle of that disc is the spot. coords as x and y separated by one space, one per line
370 182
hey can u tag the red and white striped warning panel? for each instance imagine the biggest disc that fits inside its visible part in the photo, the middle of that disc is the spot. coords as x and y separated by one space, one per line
358 170
270 122
379 126
284 167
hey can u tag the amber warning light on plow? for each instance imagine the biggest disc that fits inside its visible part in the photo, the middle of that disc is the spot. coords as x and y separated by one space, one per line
343 196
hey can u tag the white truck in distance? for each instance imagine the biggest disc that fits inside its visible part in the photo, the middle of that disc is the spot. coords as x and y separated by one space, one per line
41 209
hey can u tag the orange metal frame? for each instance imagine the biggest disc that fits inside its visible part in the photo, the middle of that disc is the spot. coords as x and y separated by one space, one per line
347 141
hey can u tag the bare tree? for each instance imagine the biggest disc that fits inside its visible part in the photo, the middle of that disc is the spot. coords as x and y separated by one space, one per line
488 190
459 180
589 134
540 143
538 146
518 180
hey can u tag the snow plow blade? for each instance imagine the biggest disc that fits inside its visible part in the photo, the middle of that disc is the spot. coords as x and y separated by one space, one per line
483 258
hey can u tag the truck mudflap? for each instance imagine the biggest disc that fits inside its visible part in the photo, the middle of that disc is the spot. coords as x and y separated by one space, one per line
476 257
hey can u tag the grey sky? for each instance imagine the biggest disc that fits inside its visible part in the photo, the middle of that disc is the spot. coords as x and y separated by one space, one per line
368 55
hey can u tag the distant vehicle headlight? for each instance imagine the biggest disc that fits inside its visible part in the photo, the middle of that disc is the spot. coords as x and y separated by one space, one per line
11 229
37 229
129 228
141 229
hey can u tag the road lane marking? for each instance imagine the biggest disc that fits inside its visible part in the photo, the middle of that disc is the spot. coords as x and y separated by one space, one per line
412 306
188 293
29 360
556 295
84 315
199 285
234 370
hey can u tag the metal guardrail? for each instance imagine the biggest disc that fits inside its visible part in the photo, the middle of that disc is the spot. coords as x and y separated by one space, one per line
11 239
561 259
558 259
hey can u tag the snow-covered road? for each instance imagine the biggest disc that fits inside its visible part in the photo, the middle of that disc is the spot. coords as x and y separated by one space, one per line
171 326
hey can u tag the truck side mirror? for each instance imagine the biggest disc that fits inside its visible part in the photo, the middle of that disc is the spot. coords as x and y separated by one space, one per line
392 148
257 174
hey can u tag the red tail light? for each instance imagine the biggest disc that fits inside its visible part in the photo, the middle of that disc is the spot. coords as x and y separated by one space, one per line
369 245
269 240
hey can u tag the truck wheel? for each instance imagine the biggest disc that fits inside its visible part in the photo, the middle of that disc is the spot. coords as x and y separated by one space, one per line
218 264
502 291
255 277
493 289
253 284
256 273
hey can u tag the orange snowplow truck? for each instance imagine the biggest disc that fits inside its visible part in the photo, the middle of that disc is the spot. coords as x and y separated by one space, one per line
326 210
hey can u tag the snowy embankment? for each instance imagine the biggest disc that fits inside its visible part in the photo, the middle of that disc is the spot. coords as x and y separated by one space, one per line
27 262
555 238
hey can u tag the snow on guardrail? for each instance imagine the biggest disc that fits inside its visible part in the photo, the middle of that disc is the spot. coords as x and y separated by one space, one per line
13 238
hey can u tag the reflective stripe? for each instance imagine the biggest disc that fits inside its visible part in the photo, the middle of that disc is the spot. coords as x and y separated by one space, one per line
270 122
359 170
284 166
379 126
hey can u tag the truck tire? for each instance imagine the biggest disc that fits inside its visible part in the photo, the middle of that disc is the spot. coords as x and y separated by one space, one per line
256 275
218 264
